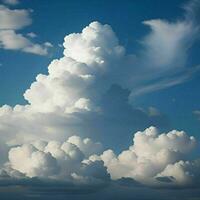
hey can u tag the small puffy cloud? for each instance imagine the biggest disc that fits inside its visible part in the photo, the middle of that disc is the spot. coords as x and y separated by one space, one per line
154 159
11 40
11 2
31 35
14 19
48 44
37 49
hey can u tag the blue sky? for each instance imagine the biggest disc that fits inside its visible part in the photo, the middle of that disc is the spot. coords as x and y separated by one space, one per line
99 94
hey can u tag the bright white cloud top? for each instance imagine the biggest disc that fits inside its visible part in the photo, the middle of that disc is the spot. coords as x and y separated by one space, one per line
14 19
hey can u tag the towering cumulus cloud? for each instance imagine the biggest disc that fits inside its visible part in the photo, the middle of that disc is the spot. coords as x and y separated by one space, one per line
73 81
156 160
41 137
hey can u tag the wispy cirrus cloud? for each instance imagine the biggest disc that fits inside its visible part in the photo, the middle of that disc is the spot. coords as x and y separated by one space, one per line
163 59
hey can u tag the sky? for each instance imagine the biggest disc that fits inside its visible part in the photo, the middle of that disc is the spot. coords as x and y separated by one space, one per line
99 99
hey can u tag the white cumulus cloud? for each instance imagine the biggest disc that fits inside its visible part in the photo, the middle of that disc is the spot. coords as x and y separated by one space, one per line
9 39
12 20
155 159
93 61
56 161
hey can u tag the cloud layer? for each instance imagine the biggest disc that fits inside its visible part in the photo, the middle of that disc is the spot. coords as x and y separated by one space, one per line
154 159
58 161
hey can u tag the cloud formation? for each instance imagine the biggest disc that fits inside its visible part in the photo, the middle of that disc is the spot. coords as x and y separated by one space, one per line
75 93
14 41
13 20
61 162
155 159
11 2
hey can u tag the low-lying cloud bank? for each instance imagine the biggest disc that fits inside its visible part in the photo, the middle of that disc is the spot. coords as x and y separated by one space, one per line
155 160
56 161
13 20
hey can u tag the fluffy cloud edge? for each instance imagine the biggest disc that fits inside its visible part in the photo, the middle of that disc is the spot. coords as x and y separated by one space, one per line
157 160
11 22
